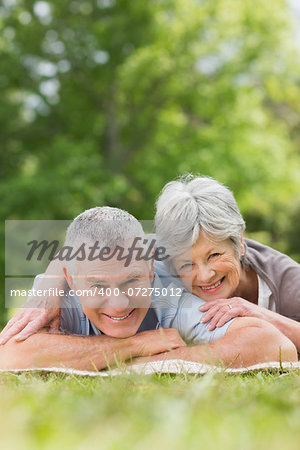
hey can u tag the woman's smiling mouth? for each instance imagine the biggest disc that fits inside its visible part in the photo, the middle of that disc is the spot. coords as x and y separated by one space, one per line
212 287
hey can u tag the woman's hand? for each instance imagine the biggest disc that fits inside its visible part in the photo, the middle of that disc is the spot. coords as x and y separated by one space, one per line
222 310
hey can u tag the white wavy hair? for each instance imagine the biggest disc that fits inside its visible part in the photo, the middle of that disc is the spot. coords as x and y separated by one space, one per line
194 204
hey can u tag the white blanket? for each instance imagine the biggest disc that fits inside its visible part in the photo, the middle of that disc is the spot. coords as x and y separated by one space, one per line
173 366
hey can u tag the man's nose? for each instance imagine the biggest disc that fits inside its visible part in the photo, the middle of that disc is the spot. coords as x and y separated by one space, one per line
117 301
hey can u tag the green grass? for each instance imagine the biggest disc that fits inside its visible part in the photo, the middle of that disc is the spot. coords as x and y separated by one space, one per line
148 412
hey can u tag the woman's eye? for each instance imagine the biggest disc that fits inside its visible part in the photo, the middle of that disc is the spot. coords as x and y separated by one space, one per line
213 255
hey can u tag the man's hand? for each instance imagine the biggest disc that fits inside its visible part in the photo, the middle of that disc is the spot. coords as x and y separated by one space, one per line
222 310
153 342
86 352
28 321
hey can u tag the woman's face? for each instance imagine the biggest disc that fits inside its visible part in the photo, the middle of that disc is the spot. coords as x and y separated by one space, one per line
210 270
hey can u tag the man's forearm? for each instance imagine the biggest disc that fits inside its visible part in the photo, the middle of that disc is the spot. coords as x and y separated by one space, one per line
85 352
77 352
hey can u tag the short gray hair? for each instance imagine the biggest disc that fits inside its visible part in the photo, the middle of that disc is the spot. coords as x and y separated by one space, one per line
109 226
192 204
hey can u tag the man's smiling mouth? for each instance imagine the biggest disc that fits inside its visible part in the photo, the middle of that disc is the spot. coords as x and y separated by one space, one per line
118 318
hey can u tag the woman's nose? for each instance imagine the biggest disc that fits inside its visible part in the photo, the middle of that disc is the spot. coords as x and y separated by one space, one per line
203 273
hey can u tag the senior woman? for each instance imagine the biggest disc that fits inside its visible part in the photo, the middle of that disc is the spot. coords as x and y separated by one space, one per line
200 225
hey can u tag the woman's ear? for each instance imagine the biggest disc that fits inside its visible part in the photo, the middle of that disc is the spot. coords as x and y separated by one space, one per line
243 250
69 278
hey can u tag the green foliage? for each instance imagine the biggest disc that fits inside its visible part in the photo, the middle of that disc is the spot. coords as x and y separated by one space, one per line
138 412
103 102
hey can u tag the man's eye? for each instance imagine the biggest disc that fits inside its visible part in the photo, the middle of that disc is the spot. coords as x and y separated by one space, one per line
130 281
98 286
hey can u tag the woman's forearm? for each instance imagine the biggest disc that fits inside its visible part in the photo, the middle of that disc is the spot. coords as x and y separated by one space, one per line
248 341
218 312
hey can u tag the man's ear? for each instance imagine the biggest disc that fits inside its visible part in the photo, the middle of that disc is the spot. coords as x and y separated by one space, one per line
151 275
69 278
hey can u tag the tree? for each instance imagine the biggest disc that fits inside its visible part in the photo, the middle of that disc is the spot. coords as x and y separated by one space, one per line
105 101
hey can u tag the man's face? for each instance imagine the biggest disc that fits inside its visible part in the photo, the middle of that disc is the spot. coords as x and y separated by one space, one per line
120 295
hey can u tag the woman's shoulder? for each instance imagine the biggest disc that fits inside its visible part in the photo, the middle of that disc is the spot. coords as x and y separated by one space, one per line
280 272
267 256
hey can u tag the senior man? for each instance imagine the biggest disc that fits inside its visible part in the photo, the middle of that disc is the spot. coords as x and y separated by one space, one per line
120 323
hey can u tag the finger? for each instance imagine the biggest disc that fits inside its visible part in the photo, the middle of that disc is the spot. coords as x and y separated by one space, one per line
13 330
15 324
217 317
209 314
214 320
11 322
207 306
235 312
33 321
11 327
30 329
3 333
211 303
214 304
204 307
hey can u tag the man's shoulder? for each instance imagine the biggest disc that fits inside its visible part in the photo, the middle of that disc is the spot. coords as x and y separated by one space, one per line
182 312
188 321
72 316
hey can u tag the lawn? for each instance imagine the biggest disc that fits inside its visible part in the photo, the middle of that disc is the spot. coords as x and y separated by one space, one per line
257 411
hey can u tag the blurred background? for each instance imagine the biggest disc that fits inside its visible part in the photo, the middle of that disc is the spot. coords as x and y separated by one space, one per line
104 101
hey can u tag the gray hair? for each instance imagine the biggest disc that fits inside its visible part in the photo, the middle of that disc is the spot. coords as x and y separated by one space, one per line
109 226
193 204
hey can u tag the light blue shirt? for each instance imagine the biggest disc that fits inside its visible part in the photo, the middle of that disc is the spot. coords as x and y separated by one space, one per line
175 307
